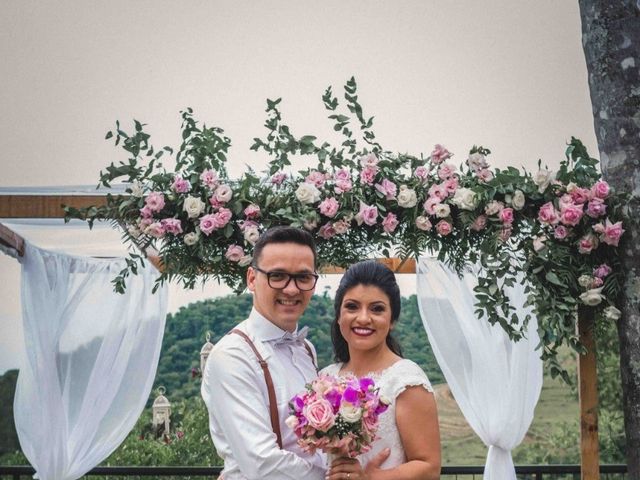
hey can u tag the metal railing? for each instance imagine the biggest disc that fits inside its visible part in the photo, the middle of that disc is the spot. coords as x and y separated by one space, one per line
523 472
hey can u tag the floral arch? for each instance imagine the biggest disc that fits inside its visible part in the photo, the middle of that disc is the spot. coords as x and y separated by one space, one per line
561 229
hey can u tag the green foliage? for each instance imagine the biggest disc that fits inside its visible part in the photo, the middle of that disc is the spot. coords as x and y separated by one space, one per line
8 435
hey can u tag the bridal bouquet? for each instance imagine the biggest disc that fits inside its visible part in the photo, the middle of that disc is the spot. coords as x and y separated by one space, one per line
337 415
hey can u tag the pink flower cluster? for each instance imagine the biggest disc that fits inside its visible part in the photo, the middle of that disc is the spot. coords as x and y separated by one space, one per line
570 212
337 415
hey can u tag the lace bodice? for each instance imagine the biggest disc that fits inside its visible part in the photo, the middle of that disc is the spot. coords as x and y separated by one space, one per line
392 382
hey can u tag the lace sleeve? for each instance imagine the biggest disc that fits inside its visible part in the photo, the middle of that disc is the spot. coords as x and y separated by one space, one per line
409 374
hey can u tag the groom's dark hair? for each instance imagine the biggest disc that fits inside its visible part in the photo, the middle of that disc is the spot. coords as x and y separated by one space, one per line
372 273
284 234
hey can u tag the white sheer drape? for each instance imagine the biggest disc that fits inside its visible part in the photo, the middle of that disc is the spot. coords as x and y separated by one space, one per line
91 359
495 381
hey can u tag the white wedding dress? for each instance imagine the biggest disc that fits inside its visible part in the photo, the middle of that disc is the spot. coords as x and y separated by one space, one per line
392 381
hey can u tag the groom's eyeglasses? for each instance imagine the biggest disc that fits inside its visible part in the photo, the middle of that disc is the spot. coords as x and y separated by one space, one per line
280 280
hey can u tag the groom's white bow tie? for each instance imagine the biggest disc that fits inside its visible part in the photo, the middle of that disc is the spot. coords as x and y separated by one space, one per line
291 338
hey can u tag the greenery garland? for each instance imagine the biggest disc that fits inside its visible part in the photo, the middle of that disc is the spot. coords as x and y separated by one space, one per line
560 229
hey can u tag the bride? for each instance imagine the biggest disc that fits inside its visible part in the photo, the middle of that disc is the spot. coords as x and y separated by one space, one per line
367 306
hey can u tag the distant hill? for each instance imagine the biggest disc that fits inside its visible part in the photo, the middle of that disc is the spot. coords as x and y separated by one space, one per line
185 334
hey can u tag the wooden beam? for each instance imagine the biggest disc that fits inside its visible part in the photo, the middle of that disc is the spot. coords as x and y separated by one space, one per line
45 206
395 264
11 239
588 396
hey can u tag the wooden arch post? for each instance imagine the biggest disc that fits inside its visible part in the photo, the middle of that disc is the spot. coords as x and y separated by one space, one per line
50 206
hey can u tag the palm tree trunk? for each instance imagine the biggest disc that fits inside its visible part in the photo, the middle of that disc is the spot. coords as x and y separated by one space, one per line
611 41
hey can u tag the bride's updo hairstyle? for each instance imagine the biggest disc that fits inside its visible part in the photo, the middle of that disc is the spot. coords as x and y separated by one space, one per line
368 272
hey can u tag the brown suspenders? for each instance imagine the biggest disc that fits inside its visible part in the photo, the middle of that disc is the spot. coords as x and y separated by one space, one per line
273 405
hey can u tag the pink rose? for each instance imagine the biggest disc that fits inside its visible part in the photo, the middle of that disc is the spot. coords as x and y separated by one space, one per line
444 228
316 178
180 185
155 230
561 232
600 189
327 231
548 214
571 214
329 207
430 205
209 178
387 188
485 175
368 175
171 225
479 223
438 190
564 201
341 227
439 154
234 253
445 171
451 185
207 224
146 212
278 178
155 201
343 181
222 217
319 414
390 223
612 233
506 216
252 211
596 208
580 195
422 173
587 243
368 214
248 224
223 193
602 271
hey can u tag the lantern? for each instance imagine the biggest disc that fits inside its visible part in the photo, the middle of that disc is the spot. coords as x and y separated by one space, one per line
204 352
161 413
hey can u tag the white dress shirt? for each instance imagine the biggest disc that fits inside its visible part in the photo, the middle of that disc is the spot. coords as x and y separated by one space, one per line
235 392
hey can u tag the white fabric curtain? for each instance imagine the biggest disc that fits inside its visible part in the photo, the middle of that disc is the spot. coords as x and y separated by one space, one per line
91 359
495 381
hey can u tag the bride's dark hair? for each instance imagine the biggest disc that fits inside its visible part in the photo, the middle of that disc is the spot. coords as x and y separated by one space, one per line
368 272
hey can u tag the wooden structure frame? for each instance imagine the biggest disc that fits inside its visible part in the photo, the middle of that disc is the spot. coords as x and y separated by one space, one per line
50 206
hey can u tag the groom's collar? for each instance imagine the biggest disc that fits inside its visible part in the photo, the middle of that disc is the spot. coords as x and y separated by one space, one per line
264 330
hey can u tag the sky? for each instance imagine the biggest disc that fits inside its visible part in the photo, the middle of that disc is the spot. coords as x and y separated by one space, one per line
507 74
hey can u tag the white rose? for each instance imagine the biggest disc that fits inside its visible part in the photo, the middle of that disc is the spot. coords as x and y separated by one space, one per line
407 197
193 206
292 422
542 179
223 193
518 200
251 235
612 313
350 413
245 260
307 193
585 280
592 297
571 187
423 223
493 207
191 238
137 189
442 210
538 243
476 161
465 198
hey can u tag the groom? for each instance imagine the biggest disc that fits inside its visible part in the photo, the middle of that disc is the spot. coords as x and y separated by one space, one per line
246 421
